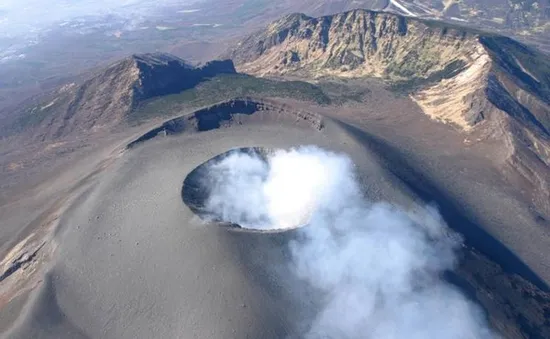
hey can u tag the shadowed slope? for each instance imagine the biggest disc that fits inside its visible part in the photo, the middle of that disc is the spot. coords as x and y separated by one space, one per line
108 97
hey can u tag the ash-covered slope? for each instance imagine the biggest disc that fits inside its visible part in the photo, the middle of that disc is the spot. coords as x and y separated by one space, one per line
107 97
491 87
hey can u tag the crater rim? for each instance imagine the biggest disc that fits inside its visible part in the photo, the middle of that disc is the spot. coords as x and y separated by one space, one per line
194 192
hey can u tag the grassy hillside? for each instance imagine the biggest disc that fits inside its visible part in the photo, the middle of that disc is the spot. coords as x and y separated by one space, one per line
225 87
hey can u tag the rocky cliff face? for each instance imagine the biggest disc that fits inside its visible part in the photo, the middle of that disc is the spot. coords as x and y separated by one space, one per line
162 74
106 98
485 85
351 44
365 43
399 49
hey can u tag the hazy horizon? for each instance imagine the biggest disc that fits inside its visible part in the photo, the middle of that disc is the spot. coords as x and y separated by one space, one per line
25 23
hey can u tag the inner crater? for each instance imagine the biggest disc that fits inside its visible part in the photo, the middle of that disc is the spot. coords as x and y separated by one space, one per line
239 190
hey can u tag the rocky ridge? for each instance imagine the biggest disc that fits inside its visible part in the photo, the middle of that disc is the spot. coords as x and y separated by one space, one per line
488 86
106 98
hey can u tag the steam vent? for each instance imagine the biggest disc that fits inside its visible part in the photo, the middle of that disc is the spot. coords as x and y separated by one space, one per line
201 185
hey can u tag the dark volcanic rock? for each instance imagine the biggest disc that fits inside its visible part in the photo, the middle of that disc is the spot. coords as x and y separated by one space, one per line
162 74
232 112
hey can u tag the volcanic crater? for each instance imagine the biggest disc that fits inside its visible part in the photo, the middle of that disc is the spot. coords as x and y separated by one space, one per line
199 186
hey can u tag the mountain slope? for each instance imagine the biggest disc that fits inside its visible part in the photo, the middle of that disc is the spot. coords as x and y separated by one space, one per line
365 43
106 98
355 43
490 87
524 20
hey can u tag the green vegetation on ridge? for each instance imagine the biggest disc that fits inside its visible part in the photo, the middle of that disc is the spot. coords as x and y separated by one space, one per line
410 85
226 87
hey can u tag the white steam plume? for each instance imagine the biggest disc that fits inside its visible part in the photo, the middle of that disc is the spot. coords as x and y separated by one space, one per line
378 267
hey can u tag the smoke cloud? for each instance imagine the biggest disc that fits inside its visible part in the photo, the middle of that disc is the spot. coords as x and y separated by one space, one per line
379 268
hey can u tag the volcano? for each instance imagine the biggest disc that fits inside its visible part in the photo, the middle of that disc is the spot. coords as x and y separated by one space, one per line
112 229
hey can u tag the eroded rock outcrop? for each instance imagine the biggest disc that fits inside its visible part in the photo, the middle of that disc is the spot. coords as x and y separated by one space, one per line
489 86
